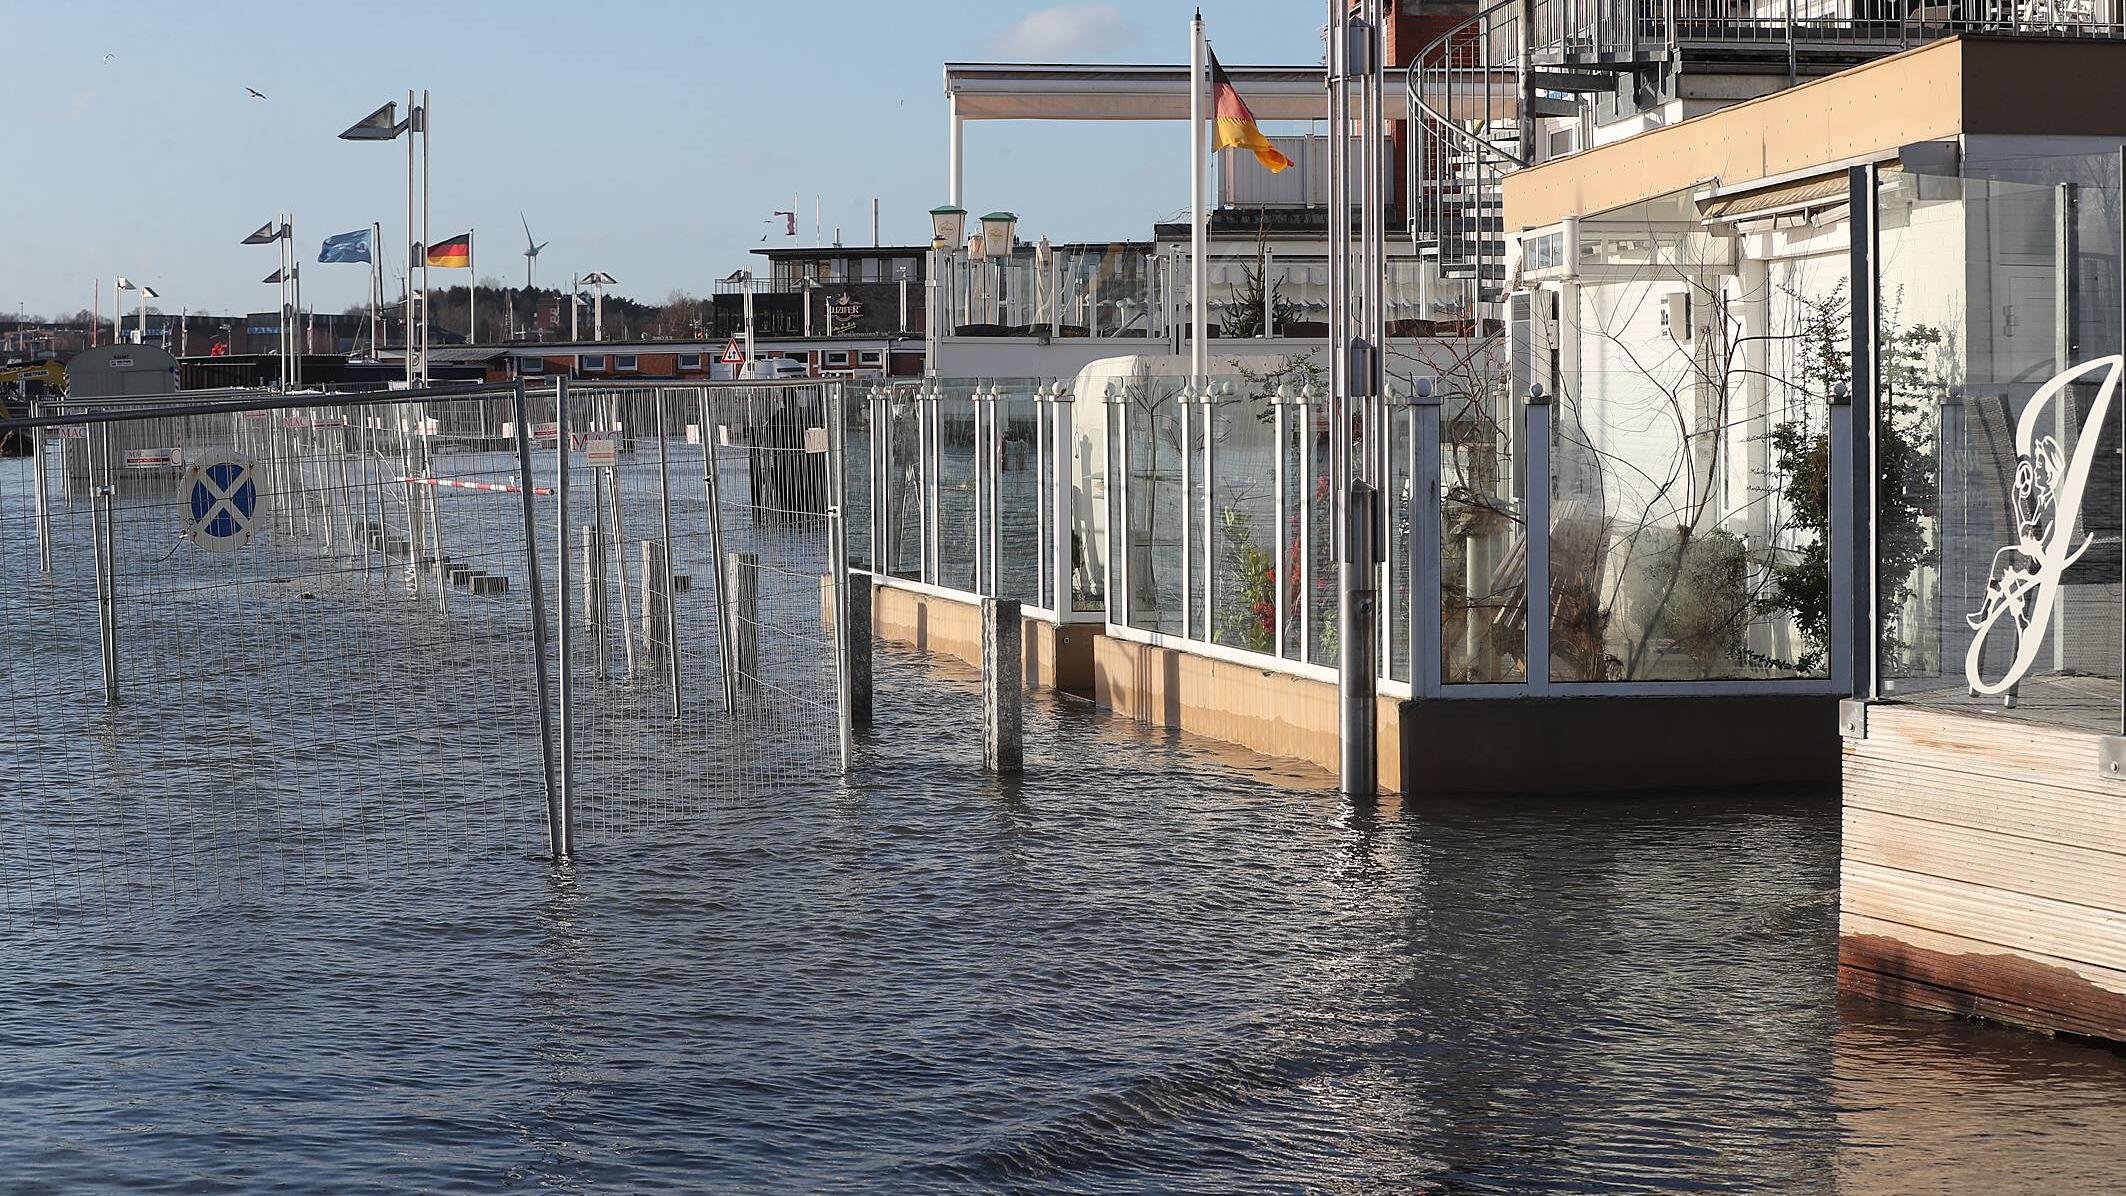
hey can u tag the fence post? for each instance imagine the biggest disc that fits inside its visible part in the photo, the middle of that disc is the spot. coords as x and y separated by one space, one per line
743 620
1536 503
43 492
668 625
556 832
1003 666
101 519
1427 593
565 822
726 658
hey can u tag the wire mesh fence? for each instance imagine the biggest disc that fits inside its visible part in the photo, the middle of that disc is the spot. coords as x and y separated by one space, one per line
703 567
263 648
274 644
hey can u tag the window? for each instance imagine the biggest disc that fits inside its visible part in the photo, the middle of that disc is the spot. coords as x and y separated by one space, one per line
838 357
591 363
871 357
690 361
869 268
531 365
624 362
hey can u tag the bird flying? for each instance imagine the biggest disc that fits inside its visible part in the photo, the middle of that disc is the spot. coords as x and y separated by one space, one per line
256 94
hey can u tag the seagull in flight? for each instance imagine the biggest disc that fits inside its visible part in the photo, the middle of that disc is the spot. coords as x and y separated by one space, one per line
256 94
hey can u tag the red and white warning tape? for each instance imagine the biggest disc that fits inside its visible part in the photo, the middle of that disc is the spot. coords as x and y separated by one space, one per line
487 487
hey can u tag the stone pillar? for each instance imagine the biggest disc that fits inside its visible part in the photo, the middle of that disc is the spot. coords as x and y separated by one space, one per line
857 641
1002 684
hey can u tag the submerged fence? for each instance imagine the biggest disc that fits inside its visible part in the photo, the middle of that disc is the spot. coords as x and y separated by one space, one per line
274 641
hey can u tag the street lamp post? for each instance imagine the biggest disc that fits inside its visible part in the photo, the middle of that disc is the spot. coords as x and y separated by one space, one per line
947 225
384 125
999 241
597 281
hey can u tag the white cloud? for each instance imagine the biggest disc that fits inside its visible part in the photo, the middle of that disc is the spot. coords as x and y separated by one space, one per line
1065 32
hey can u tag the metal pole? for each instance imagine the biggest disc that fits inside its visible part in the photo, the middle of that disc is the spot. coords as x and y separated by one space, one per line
845 631
556 832
563 825
101 518
664 516
413 129
43 490
726 659
425 242
1199 216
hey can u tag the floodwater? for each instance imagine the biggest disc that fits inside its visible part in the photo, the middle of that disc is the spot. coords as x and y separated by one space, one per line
1150 965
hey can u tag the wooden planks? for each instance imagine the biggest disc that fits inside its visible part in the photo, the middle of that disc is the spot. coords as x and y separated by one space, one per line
1983 870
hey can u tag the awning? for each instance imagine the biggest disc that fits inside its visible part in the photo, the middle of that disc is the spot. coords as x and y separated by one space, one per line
1015 91
1805 195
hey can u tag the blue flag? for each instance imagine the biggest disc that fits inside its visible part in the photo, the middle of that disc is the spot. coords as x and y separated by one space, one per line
345 247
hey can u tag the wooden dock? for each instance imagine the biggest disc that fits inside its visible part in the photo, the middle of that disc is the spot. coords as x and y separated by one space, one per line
1983 870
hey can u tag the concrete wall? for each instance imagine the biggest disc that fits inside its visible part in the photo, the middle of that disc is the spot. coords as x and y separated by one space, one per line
1058 658
1274 713
1983 871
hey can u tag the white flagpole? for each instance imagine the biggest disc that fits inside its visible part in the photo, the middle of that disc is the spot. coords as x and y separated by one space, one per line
413 126
472 292
425 242
376 288
1199 188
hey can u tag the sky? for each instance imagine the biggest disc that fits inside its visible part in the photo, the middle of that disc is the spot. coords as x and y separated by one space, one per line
649 139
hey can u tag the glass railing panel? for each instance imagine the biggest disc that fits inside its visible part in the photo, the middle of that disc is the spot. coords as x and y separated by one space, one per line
956 485
1483 535
1019 535
905 485
1997 525
1151 454
1243 487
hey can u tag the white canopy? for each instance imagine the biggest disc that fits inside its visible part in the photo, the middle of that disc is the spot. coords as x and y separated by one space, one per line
1064 91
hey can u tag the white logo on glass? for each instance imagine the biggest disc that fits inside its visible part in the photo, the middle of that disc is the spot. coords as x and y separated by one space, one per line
2048 506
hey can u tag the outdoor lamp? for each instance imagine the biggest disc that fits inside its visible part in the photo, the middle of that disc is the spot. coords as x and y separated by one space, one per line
999 232
947 224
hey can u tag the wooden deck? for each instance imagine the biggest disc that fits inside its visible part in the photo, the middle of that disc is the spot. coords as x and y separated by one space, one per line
1984 871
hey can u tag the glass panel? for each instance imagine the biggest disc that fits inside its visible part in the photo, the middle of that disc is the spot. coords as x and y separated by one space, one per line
1152 452
956 486
1199 547
1320 580
1401 422
1018 538
1997 527
1292 509
1244 508
1483 549
856 465
902 554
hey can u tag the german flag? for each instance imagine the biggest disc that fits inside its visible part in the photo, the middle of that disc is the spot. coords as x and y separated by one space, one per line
1233 125
454 254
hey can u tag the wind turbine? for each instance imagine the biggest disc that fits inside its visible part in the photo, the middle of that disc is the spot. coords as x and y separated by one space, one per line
531 251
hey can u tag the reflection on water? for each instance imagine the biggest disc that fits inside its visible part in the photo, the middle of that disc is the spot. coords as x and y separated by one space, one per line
1146 966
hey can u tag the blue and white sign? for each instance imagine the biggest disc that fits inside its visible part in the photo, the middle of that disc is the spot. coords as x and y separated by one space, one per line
221 502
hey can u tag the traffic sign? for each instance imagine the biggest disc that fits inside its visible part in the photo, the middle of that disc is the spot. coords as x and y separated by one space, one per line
221 502
733 354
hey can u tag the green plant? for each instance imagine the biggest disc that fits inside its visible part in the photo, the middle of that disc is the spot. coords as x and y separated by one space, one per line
1251 622
1912 384
1694 592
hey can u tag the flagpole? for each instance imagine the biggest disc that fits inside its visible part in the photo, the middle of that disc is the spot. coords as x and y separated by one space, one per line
413 126
295 363
1199 263
425 243
376 288
472 292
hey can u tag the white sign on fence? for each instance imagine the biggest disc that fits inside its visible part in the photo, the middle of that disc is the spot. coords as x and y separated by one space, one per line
151 458
693 433
602 453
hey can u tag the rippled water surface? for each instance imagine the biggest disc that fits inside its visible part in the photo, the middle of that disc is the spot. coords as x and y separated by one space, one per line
1150 966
